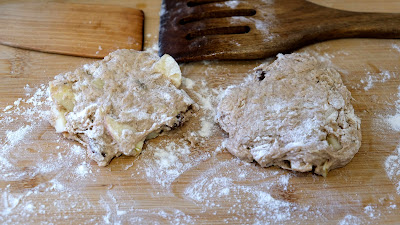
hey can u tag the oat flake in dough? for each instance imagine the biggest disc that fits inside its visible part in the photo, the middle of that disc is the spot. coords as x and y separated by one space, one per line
112 106
295 113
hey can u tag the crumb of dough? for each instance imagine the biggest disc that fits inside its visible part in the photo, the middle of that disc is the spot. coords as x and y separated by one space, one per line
294 113
114 105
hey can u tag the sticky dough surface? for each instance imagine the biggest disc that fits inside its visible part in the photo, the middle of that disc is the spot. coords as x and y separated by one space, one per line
294 113
112 106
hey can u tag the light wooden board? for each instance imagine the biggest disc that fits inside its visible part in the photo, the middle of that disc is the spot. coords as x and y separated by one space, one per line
126 193
86 30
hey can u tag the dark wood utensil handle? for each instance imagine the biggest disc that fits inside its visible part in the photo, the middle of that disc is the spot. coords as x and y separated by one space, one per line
318 23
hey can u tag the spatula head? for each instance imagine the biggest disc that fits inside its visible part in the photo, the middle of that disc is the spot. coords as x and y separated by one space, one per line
192 30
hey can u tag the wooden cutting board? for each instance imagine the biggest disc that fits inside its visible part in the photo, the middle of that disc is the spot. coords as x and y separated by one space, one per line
214 188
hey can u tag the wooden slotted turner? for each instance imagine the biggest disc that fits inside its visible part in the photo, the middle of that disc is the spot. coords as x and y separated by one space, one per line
86 30
192 30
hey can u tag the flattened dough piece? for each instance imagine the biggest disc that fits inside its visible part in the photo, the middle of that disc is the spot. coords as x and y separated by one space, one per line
112 106
295 113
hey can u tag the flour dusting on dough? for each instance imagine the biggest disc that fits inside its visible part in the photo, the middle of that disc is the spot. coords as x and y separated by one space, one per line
114 105
295 113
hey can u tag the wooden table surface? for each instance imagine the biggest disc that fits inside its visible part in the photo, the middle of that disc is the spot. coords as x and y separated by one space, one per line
49 179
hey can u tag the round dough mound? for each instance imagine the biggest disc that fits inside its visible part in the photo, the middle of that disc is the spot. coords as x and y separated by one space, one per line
114 105
295 113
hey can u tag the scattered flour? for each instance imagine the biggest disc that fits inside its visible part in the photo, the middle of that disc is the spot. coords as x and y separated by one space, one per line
392 163
7 108
396 47
350 220
154 48
392 167
394 120
41 172
63 169
373 78
206 128
9 202
231 4
223 180
188 82
372 211
55 180
13 137
117 211
83 169
263 26
164 162
207 99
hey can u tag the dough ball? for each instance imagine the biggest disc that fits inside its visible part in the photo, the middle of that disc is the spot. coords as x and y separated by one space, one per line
294 113
114 105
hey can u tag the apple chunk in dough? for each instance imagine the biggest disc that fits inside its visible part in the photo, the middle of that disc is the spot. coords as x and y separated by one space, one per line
114 105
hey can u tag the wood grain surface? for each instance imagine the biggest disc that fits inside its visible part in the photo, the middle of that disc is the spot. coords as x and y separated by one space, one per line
86 30
216 188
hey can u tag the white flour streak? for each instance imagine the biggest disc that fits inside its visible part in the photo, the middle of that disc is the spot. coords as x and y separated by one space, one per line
7 108
13 137
350 220
374 78
392 162
116 209
204 96
394 120
263 26
396 47
25 114
207 99
45 172
223 180
188 83
9 203
206 128
392 167
232 4
38 97
372 211
83 169
166 161
77 150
